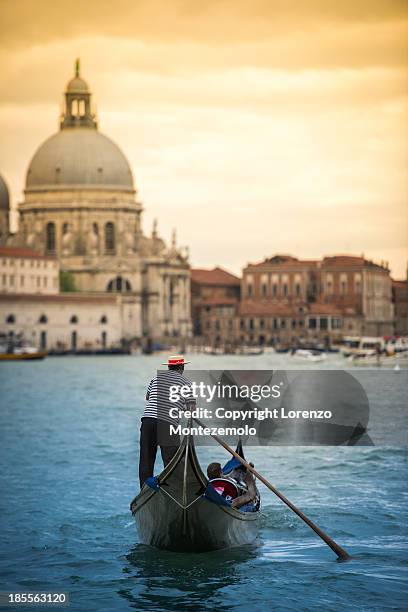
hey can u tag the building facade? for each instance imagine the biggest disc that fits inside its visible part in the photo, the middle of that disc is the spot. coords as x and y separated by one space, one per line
215 297
400 299
80 206
25 271
68 322
289 301
285 301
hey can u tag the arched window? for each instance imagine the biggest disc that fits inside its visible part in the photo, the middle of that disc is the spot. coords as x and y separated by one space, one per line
50 238
43 319
119 285
11 318
109 237
74 319
104 319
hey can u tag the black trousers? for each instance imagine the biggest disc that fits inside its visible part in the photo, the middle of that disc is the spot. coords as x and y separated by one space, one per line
148 448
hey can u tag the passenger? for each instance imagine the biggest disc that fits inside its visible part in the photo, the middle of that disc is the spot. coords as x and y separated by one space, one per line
242 479
214 470
250 495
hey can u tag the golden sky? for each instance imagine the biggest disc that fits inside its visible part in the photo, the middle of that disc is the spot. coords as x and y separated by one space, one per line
253 126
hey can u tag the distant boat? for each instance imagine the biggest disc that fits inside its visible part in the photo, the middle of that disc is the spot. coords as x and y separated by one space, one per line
309 355
373 360
250 350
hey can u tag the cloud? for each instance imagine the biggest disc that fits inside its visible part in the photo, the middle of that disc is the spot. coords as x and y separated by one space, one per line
263 125
25 22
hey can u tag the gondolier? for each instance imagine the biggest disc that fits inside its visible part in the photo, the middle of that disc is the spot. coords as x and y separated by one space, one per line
156 419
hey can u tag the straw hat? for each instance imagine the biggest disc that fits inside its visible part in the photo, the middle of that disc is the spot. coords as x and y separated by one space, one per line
175 360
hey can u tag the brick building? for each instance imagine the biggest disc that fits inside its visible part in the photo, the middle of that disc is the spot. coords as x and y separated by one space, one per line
286 301
400 299
215 296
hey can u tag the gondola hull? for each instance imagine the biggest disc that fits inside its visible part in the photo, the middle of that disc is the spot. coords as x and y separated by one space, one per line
178 517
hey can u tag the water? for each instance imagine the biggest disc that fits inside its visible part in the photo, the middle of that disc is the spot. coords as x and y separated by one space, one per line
68 456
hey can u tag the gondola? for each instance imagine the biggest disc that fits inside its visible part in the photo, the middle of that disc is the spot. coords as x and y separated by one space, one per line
179 511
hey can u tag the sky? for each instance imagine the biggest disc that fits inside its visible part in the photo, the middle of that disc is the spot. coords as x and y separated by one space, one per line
253 127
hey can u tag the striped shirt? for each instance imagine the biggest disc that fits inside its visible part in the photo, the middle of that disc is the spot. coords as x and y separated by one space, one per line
167 384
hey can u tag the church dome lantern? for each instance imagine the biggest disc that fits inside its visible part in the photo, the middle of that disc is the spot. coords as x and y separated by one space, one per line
77 112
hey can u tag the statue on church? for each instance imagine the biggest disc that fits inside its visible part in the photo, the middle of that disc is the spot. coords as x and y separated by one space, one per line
128 242
35 238
157 244
92 240
66 240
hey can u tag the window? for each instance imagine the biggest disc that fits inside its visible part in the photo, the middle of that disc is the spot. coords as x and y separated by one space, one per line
274 290
73 319
293 323
50 237
285 290
336 323
264 290
251 324
104 339
109 237
297 290
217 325
21 281
104 319
43 340
4 279
275 324
43 319
241 324
323 323
119 285
283 323
312 323
249 291
262 324
11 318
329 283
12 280
45 281
74 339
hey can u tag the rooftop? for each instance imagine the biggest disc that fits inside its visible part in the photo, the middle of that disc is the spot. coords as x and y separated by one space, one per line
217 276
23 252
72 297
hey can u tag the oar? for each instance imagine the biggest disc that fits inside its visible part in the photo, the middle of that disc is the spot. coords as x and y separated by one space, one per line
340 552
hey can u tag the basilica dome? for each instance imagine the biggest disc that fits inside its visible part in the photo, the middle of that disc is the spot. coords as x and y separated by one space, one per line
79 157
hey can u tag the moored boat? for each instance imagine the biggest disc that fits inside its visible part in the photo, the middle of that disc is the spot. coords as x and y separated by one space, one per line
179 511
20 352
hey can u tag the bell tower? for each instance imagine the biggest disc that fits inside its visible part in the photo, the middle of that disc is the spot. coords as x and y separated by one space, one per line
77 111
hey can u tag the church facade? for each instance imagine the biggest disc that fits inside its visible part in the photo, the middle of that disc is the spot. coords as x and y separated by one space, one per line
80 205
